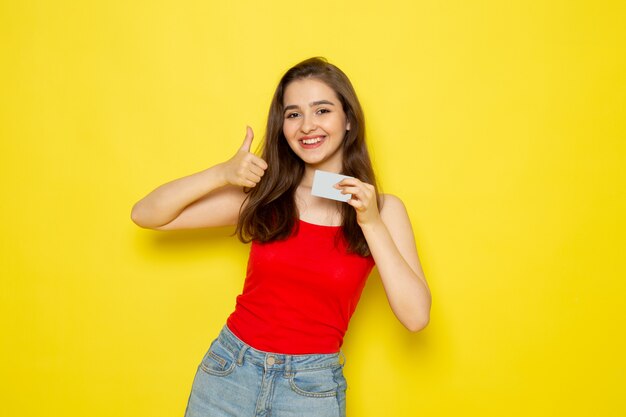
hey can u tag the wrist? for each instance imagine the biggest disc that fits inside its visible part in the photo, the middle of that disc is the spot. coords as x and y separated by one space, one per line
372 226
218 172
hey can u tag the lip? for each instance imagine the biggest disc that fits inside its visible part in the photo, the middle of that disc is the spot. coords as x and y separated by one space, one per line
311 137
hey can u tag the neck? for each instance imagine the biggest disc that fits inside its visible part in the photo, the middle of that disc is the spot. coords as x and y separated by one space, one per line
309 172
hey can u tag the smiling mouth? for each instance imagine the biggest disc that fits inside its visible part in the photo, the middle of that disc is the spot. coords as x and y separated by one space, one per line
312 141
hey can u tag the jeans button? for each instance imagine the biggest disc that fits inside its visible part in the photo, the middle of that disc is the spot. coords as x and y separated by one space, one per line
271 360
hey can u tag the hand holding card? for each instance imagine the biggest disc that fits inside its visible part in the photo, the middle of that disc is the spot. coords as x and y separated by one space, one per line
324 186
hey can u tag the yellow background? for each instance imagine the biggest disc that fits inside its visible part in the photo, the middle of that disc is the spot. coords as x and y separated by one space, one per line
501 124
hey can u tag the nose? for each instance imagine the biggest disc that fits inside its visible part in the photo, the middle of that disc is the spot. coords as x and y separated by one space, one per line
308 124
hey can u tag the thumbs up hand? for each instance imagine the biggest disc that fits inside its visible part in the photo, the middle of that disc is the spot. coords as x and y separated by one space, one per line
245 168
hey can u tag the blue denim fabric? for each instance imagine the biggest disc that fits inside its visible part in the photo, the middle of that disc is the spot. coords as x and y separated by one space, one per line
237 380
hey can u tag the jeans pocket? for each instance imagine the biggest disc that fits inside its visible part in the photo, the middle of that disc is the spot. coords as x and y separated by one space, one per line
315 382
218 361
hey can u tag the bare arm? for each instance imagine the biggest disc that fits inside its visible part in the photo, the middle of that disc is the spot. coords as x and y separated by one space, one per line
393 246
208 198
390 239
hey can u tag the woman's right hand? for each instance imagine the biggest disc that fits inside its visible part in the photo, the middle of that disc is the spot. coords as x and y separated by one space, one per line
244 168
209 198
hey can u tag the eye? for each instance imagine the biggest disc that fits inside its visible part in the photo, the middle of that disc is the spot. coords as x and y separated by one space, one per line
323 111
292 115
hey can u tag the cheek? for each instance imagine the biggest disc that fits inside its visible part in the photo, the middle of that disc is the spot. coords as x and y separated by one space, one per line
336 124
288 130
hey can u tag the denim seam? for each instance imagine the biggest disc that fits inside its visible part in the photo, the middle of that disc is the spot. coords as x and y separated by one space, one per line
221 361
218 359
225 372
300 391
336 390
340 386
313 367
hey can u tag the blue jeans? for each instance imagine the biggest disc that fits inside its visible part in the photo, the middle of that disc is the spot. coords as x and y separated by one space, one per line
237 380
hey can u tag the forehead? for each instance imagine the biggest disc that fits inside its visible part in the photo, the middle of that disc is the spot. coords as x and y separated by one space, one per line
308 90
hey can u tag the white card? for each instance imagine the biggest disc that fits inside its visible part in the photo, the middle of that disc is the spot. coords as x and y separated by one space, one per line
323 186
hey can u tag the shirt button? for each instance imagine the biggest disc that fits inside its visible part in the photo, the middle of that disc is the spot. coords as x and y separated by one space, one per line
271 361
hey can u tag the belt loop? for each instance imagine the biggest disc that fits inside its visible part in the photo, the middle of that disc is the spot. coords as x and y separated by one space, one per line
242 352
341 355
288 366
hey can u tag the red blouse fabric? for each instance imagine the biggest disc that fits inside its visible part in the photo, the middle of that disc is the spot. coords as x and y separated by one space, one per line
300 293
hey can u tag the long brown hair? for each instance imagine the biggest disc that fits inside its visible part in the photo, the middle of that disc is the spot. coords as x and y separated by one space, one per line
271 213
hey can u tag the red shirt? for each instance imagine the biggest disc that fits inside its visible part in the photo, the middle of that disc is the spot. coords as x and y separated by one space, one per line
300 293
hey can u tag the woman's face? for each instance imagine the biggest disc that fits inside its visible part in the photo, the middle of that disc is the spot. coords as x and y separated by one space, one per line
314 123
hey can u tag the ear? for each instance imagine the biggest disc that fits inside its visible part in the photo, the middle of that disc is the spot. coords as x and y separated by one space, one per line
348 126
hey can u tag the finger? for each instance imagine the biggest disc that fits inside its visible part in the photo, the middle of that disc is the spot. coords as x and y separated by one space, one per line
253 177
248 183
259 162
357 204
247 142
256 170
348 181
251 162
351 190
345 185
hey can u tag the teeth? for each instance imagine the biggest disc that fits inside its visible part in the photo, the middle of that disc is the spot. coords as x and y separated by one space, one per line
311 141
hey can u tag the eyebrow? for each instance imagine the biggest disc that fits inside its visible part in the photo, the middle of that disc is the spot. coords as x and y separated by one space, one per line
312 104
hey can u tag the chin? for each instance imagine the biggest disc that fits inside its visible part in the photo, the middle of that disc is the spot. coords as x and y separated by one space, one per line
313 161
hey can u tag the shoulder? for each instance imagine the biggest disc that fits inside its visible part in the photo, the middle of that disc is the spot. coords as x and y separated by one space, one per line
394 214
391 205
396 218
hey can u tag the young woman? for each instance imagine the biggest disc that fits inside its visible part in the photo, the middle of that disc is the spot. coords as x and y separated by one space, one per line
278 353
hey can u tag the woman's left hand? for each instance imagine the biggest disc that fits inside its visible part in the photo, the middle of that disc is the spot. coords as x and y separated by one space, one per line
363 200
